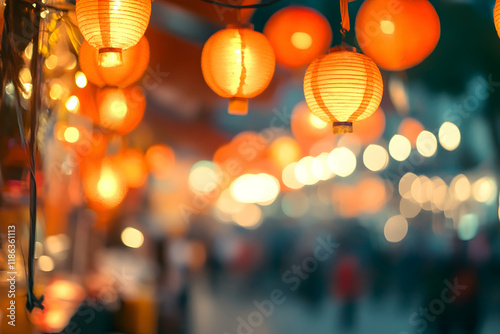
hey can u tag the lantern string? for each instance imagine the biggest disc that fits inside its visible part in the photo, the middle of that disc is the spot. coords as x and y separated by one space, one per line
346 23
259 5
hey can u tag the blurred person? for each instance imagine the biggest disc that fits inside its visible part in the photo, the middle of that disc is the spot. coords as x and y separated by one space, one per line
346 287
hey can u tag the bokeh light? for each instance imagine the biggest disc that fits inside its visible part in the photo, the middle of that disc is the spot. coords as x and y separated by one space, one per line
255 188
132 237
426 144
289 178
250 217
484 190
204 177
342 161
399 148
467 227
460 188
395 229
375 157
449 136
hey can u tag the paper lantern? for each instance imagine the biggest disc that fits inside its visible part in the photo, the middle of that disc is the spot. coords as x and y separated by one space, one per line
343 87
133 166
397 35
120 110
104 185
135 63
238 63
112 26
496 16
298 35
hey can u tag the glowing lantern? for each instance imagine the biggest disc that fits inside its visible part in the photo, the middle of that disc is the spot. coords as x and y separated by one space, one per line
397 35
343 87
298 35
112 26
161 160
134 167
104 185
120 110
135 63
238 63
496 16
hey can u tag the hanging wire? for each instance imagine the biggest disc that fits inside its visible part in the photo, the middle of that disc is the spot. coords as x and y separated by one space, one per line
259 5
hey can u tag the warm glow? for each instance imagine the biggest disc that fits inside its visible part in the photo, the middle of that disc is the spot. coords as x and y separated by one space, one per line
426 144
204 177
238 63
255 188
440 193
250 217
301 40
104 184
45 263
405 185
342 161
161 160
399 148
73 104
289 178
333 96
397 35
113 25
308 170
51 62
133 167
320 167
107 185
460 188
120 110
449 136
80 79
387 27
422 189
284 151
135 62
56 91
409 209
396 229
132 237
316 122
71 134
298 34
484 189
375 158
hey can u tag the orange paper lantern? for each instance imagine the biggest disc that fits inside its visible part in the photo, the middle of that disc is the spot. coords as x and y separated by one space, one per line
397 35
112 26
238 63
120 110
496 16
298 35
343 87
135 63
104 185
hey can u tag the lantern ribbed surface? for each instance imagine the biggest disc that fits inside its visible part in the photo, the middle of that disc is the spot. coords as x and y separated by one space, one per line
496 16
343 87
238 63
116 24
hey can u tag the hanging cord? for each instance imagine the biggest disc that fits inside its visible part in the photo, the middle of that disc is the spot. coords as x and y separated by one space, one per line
346 22
259 5
34 106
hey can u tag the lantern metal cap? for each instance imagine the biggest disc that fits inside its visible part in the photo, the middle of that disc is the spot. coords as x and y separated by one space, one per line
110 57
238 106
342 127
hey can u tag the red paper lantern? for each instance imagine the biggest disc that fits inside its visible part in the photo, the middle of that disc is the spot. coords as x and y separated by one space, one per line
397 35
135 63
238 63
298 35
